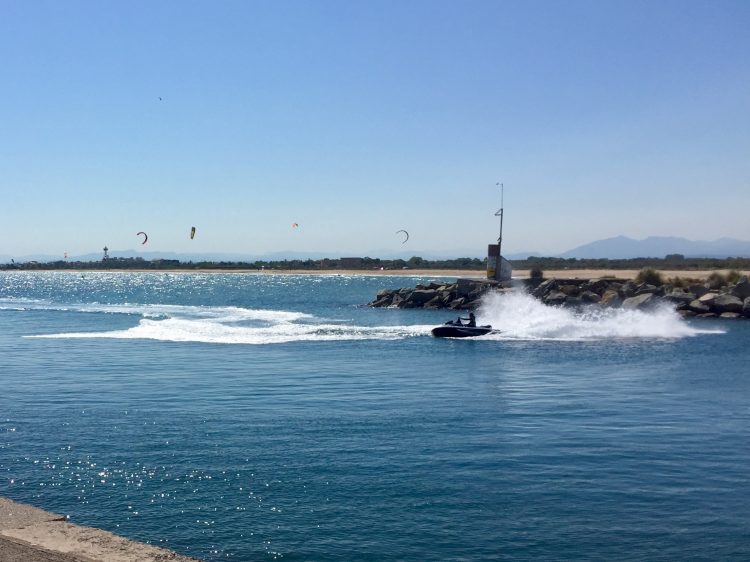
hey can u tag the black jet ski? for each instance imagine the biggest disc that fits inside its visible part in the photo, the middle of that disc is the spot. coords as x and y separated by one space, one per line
453 330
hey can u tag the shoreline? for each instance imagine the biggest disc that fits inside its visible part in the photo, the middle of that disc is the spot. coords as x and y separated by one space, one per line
699 274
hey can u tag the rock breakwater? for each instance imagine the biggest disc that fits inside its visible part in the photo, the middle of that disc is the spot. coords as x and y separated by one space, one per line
464 294
704 300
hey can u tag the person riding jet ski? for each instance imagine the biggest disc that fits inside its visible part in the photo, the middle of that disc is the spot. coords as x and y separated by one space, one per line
471 321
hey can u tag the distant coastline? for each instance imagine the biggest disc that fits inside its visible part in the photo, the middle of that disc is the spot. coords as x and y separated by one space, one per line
698 274
684 266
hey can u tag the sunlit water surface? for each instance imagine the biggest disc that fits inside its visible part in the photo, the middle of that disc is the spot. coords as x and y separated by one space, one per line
251 417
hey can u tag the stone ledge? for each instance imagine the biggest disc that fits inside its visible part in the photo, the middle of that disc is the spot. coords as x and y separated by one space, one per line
31 534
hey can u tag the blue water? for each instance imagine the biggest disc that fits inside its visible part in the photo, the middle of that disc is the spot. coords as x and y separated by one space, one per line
252 417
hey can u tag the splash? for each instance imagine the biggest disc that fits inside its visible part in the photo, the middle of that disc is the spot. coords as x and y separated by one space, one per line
515 316
520 316
229 325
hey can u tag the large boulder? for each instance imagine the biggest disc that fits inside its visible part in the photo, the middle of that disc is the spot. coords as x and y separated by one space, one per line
644 288
384 298
464 287
611 298
597 286
570 290
419 297
555 298
382 301
459 303
679 297
446 296
628 290
742 289
640 302
698 307
545 287
698 290
709 298
590 297
746 307
435 302
473 287
726 303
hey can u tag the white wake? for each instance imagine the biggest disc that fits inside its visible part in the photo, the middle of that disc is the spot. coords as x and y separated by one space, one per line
514 316
229 325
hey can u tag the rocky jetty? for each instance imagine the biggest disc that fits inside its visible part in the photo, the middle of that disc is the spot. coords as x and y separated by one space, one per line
464 294
704 300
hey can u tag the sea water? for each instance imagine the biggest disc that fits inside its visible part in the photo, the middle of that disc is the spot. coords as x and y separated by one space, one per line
255 416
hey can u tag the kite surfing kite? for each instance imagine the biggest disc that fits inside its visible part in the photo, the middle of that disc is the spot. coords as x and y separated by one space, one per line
407 235
145 236
295 225
192 233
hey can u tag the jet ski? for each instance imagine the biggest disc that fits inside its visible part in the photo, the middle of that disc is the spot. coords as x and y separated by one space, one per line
457 330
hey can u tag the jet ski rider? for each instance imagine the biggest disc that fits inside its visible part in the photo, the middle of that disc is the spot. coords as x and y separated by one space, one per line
472 321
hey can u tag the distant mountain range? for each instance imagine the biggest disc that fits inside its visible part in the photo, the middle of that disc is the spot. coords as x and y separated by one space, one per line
619 247
622 247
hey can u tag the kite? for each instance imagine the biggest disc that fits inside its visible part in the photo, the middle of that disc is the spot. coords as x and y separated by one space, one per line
407 235
192 233
295 225
145 236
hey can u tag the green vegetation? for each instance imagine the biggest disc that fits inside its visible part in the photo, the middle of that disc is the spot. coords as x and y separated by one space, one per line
733 276
683 282
649 275
363 264
716 280
536 272
533 264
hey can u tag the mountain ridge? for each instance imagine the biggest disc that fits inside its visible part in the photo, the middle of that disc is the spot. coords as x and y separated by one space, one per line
622 247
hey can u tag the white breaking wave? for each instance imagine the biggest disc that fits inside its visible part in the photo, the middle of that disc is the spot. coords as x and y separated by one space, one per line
520 316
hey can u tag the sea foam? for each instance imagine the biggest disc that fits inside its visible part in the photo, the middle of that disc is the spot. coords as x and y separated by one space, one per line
230 325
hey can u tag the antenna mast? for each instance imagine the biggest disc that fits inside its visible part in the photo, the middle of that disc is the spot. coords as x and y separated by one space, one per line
499 213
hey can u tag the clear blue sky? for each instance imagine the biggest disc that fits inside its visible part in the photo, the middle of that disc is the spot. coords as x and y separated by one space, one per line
356 119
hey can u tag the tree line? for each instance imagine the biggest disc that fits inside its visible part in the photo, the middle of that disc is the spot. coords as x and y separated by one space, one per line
672 262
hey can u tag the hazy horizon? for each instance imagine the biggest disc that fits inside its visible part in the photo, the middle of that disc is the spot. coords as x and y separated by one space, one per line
619 247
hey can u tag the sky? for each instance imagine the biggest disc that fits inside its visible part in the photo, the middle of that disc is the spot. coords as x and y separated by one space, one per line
358 119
